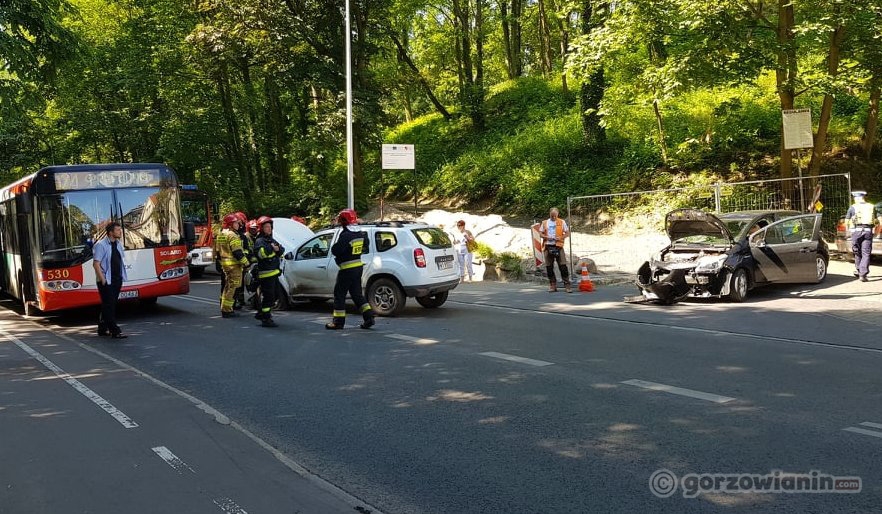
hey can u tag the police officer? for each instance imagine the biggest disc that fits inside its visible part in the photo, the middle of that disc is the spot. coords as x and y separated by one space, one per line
861 217
268 252
347 254
232 260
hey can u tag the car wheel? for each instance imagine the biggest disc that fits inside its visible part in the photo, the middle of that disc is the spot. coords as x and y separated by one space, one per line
738 285
385 297
821 268
433 301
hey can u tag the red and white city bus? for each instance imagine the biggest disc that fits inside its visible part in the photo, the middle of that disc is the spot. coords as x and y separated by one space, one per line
50 220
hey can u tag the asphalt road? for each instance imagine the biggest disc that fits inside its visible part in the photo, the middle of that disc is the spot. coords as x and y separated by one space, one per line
506 399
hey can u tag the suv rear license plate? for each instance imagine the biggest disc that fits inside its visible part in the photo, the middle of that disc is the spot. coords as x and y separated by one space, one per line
445 262
128 294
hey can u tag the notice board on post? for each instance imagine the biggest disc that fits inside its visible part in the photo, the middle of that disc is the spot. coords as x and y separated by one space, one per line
798 129
398 157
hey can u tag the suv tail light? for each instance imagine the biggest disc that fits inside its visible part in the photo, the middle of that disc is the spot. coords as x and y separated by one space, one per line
419 258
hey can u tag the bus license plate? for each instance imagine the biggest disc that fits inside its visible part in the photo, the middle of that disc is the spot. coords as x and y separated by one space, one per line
128 294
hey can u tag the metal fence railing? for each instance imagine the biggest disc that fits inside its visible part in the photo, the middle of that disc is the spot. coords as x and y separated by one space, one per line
635 220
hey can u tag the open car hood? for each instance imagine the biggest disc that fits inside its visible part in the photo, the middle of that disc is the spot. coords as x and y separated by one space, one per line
693 222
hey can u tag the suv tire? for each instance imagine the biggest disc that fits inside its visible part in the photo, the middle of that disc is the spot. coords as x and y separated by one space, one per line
385 297
433 301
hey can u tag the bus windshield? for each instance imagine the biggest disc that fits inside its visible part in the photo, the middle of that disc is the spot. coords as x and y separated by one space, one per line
71 222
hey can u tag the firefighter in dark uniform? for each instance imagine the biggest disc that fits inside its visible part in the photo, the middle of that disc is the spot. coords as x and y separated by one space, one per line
347 254
268 252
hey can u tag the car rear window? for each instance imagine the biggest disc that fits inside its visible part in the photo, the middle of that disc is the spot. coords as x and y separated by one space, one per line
385 241
432 237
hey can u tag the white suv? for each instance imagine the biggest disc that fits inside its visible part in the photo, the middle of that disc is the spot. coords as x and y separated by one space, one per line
402 259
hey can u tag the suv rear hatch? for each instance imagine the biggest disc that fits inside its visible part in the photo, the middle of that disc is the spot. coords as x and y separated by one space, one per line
438 252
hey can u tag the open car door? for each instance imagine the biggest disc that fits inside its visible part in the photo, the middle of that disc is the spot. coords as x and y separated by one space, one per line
786 250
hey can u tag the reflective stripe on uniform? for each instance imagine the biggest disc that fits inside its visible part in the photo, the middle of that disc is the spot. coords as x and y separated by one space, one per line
366 307
339 314
268 274
351 264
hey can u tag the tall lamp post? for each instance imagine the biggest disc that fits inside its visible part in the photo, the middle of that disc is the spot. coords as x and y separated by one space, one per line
350 160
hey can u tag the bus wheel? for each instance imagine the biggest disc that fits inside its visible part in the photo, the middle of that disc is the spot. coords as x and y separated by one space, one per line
149 302
30 309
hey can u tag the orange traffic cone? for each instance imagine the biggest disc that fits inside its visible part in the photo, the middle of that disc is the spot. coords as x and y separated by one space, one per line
585 284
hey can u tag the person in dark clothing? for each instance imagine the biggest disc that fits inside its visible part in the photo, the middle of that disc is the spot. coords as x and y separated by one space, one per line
110 272
347 254
268 252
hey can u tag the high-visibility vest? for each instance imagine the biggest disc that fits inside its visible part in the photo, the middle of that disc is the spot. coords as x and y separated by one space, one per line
863 214
558 231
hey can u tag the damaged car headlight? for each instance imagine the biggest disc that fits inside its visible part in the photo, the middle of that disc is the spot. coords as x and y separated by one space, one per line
710 263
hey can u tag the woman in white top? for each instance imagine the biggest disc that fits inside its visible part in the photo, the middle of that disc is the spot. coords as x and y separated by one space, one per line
463 241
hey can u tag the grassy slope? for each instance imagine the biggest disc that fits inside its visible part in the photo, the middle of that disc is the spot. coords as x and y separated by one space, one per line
532 155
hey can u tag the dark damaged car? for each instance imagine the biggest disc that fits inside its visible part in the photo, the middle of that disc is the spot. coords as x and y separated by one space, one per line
727 255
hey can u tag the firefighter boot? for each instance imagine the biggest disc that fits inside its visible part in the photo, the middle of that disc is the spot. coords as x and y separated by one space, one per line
368 320
268 322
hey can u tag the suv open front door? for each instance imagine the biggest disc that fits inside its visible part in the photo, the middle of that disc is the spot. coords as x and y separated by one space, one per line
786 250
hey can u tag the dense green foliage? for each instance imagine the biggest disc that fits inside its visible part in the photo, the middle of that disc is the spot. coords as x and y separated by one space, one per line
511 103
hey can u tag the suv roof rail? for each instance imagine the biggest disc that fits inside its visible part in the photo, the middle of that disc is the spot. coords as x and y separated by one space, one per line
393 223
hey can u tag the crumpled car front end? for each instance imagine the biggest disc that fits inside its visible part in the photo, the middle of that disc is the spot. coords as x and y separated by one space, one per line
673 275
696 264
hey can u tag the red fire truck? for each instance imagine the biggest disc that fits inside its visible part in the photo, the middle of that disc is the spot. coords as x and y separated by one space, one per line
196 209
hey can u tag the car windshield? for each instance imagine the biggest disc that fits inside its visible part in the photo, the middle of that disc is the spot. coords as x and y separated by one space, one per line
432 237
736 226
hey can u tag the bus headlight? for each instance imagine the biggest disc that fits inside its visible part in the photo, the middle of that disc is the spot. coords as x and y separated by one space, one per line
172 273
61 285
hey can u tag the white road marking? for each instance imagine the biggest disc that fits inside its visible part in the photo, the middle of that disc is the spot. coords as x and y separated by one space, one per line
515 358
172 460
520 310
229 506
871 425
414 340
653 386
197 299
863 431
117 414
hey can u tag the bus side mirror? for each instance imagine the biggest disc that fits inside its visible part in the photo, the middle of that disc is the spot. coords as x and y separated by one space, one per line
190 233
23 203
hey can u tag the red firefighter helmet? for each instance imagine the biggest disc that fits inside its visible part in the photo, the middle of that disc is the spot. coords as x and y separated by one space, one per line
229 219
347 217
243 219
298 219
264 219
252 225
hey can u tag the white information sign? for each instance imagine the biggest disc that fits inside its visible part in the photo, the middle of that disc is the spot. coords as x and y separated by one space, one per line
798 129
398 157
